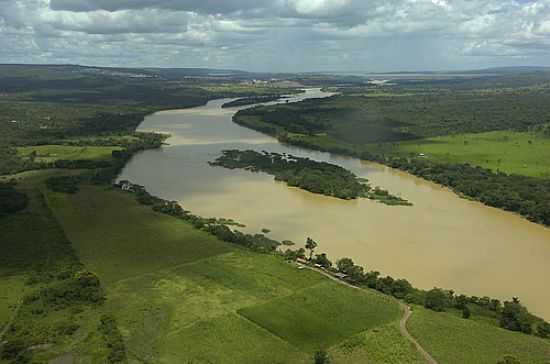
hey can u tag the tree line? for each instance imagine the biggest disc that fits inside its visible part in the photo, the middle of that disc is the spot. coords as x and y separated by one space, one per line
511 315
313 176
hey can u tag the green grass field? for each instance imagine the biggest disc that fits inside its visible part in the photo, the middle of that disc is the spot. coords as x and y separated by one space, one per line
453 340
31 239
51 153
117 238
383 345
322 315
511 152
180 295
12 289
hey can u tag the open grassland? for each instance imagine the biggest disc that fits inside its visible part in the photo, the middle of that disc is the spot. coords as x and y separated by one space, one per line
180 295
12 289
118 238
322 315
52 153
451 339
510 152
383 345
230 339
31 239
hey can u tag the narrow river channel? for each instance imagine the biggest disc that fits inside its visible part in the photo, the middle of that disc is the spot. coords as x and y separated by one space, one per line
443 240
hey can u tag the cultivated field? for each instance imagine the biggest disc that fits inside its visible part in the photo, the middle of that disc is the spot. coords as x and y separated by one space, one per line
180 295
451 339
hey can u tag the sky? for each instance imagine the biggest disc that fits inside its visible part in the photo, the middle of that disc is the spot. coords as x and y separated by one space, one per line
278 35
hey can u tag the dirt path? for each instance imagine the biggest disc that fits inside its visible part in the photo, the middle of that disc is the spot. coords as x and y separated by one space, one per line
407 312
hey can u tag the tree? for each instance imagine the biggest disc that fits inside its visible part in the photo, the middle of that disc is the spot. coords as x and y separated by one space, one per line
311 245
371 278
543 330
345 265
323 261
401 288
515 317
436 300
321 357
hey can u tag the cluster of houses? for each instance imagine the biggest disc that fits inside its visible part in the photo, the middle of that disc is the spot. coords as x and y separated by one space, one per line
128 186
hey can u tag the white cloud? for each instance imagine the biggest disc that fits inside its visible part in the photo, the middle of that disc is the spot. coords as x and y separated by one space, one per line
286 35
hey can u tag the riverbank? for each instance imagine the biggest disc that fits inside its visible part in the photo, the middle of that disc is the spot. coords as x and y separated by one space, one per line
452 239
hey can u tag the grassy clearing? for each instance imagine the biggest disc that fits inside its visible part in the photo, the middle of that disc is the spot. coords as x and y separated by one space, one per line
12 290
451 339
229 339
383 345
118 238
31 239
176 292
323 315
153 308
52 153
511 152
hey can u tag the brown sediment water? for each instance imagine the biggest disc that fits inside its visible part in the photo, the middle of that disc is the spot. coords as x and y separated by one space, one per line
443 240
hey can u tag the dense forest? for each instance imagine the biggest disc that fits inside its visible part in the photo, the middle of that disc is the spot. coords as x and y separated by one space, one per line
351 125
317 177
361 119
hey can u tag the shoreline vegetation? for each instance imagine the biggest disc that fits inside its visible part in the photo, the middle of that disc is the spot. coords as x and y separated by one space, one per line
313 176
510 315
292 124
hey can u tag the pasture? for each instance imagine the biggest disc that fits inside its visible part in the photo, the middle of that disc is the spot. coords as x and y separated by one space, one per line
454 340
52 153
322 315
180 295
510 152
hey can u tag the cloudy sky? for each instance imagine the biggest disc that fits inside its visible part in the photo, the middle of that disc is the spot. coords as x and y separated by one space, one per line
278 35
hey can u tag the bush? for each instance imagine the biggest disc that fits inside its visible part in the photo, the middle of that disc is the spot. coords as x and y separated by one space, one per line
113 339
516 318
543 330
436 300
11 200
83 288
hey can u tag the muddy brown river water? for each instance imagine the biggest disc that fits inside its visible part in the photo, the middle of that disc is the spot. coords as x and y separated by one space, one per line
443 240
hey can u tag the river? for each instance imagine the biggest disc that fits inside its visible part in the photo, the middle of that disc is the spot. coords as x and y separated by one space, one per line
443 240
